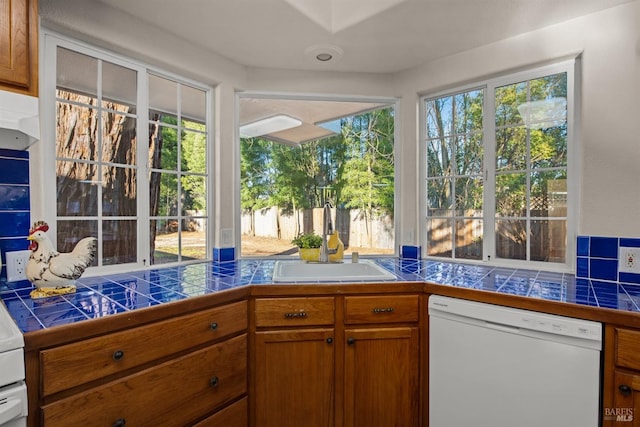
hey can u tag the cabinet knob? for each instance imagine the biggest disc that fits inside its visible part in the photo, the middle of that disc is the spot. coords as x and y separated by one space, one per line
120 422
351 340
214 326
329 340
213 382
118 355
624 389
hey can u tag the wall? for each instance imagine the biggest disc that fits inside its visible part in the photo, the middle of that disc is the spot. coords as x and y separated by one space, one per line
14 203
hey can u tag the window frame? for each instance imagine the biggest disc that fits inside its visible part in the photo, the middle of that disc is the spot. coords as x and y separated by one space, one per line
569 66
51 41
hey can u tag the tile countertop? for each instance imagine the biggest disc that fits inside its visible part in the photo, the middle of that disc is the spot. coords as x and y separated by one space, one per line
105 295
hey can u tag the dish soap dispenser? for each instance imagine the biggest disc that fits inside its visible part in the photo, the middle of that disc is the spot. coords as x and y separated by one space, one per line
336 244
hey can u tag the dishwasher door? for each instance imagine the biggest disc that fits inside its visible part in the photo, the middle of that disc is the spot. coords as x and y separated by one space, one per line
491 366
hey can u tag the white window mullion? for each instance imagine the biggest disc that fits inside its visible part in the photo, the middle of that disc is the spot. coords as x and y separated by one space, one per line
489 203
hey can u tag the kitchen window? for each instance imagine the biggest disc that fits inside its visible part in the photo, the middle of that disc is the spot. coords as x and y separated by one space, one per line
146 202
498 169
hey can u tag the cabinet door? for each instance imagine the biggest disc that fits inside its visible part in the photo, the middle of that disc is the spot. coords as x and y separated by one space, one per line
294 375
626 401
381 377
18 35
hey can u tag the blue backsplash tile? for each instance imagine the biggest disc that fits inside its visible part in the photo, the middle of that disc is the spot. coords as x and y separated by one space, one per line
603 269
410 252
583 246
604 247
224 254
15 218
582 267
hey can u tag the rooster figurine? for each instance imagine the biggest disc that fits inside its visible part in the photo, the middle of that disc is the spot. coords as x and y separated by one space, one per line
52 272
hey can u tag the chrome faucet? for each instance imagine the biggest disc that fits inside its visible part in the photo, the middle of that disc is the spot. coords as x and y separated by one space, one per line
327 230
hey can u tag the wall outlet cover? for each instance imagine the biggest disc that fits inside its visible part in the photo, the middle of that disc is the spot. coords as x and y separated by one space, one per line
16 262
629 260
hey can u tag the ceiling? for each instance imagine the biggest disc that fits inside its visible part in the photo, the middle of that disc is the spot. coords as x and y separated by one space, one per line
376 36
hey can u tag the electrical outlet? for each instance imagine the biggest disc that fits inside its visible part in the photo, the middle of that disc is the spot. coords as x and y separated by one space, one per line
16 265
629 260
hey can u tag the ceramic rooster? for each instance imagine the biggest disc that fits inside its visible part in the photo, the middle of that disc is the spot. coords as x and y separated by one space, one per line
52 272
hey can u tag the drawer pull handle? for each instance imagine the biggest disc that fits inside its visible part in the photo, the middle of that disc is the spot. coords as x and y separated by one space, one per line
213 382
118 355
298 315
214 326
378 310
120 422
624 389
351 340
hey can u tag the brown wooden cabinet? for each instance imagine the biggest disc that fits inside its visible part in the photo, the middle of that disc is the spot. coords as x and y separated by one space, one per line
19 46
621 400
338 361
172 372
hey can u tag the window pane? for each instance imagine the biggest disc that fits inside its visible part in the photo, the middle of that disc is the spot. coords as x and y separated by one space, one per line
69 233
511 197
545 185
469 194
119 241
507 99
194 152
511 148
439 157
163 144
163 94
195 195
548 240
119 86
194 104
168 198
439 117
439 237
119 191
511 239
469 238
77 189
439 197
118 138
76 130
549 147
194 245
469 154
468 111
77 72
165 232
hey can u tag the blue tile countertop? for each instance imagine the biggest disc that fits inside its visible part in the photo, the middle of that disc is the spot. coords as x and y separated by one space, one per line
106 295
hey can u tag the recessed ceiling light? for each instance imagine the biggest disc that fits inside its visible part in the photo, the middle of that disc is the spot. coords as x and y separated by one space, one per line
324 53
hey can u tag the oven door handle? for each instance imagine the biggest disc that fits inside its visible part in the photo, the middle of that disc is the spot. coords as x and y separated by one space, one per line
10 409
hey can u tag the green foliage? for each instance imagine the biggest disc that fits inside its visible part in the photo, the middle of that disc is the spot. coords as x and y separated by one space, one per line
307 241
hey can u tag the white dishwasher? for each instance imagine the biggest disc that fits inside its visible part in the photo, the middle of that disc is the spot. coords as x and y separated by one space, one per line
493 366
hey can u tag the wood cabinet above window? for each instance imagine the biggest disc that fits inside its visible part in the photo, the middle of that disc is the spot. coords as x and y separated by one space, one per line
19 47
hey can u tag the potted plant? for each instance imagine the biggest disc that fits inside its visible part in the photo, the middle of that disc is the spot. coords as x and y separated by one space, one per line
308 246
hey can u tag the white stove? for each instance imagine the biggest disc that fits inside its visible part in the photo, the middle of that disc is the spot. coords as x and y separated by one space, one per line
13 391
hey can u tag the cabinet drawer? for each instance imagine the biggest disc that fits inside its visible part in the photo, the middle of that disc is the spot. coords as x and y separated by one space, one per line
70 365
235 415
381 309
173 393
628 348
295 311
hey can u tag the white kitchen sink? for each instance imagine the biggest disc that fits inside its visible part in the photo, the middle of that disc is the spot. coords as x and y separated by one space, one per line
302 271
